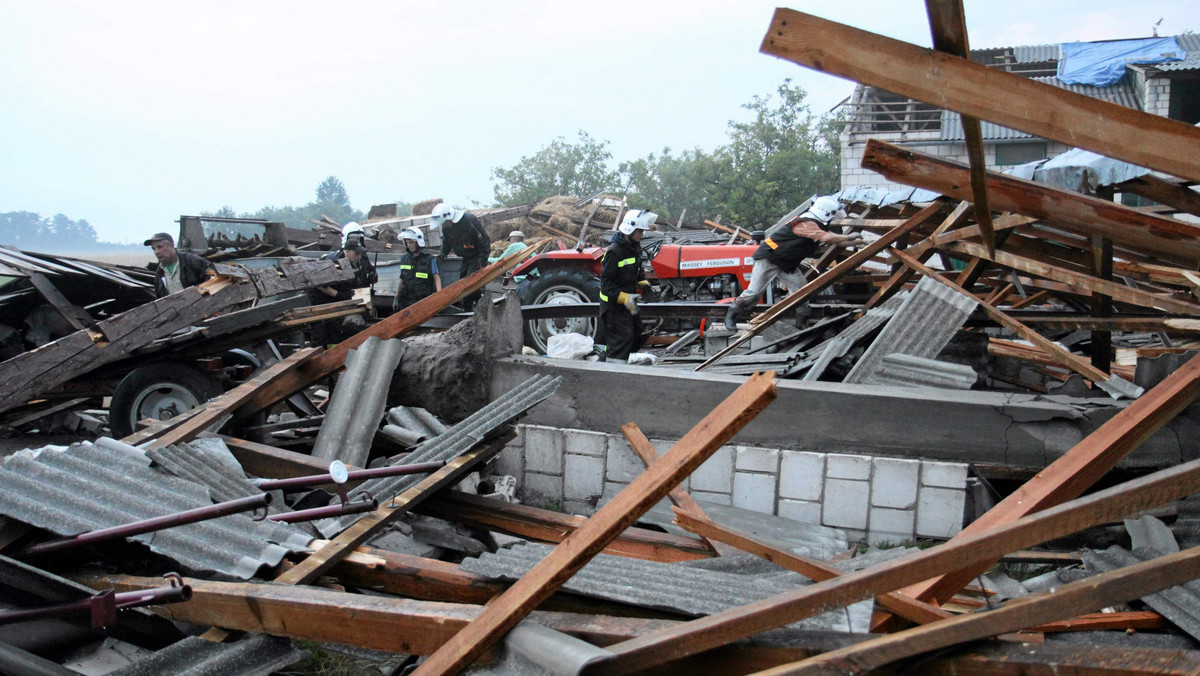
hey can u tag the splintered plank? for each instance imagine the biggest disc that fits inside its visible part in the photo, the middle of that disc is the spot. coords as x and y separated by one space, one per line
76 316
1165 237
826 279
959 553
506 610
986 93
398 323
270 462
1093 593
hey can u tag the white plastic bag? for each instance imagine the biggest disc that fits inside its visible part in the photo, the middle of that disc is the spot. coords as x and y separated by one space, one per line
569 346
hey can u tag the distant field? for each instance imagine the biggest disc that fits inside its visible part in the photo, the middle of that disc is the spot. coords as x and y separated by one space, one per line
136 259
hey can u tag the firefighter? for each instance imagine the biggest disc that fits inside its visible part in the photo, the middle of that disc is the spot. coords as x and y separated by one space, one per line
463 235
419 275
779 256
621 279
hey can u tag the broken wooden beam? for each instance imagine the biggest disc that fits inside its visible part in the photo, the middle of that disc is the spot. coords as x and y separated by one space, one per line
1167 238
269 462
622 511
991 94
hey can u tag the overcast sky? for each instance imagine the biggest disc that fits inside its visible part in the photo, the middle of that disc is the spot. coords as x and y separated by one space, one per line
129 114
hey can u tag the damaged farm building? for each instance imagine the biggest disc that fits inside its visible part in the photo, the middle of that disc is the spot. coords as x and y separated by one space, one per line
969 445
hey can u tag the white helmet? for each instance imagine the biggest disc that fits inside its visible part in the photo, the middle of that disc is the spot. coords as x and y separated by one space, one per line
415 234
440 213
353 230
636 219
824 209
516 233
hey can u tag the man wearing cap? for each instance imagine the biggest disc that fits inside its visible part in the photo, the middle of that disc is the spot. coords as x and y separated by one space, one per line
518 244
177 270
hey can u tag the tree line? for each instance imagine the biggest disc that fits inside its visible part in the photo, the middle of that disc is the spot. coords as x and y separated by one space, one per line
778 158
28 230
331 201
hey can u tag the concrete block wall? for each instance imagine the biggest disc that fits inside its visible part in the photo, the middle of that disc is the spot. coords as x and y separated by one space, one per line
877 499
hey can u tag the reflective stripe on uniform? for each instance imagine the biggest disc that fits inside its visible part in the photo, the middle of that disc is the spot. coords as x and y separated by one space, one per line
771 243
406 267
603 297
422 275
627 261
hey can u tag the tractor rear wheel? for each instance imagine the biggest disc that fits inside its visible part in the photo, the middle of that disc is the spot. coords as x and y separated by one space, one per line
562 286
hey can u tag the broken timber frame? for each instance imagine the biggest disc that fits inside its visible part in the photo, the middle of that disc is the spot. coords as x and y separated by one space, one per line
506 610
727 626
991 94
827 278
679 497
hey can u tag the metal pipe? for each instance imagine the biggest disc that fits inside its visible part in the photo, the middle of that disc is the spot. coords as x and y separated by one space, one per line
149 525
330 512
358 474
101 605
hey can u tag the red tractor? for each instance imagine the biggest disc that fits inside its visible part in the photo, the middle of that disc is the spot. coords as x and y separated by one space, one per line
681 267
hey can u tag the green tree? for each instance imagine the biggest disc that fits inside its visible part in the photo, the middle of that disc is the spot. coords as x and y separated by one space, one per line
331 190
668 183
560 168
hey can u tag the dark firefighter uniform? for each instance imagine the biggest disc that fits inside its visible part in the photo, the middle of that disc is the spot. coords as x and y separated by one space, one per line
417 269
468 240
620 272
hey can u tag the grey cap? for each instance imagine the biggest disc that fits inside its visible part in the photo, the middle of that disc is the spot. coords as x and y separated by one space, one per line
158 236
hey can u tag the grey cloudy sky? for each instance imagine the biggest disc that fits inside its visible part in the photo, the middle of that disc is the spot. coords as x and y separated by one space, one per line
129 114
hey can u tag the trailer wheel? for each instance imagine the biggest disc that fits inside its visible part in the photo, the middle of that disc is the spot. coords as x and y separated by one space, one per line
562 286
160 391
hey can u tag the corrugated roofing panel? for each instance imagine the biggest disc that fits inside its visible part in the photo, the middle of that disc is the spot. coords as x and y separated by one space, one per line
921 327
453 443
1036 53
358 402
905 370
255 655
1180 605
1124 93
668 586
106 484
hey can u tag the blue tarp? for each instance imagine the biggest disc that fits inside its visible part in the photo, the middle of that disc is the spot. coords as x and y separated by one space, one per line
1102 64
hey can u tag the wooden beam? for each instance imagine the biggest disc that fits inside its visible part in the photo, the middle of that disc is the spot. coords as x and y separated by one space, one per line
960 553
1079 468
76 316
1114 385
901 274
334 359
1093 593
948 24
209 413
544 525
622 511
825 280
905 606
269 462
1166 192
1076 323
1164 237
986 93
1085 284
323 559
1121 621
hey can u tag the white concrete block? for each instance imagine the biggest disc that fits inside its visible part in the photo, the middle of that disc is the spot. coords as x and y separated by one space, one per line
543 449
662 447
755 492
800 510
838 466
894 483
754 459
583 478
943 474
891 525
542 490
583 442
510 461
716 474
611 488
577 508
718 498
623 464
940 512
801 475
845 503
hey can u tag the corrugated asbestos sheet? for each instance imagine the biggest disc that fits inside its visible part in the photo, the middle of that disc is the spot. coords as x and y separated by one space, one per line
672 587
921 327
906 370
452 443
417 420
106 484
255 655
841 343
1180 605
358 402
1190 42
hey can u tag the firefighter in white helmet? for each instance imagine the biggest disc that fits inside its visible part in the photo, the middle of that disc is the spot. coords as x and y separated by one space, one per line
779 256
621 279
419 275
464 236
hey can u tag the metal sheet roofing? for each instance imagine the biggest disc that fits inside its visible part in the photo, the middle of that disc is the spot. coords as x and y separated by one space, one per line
1180 605
454 442
106 484
255 655
922 326
675 587
358 402
1189 42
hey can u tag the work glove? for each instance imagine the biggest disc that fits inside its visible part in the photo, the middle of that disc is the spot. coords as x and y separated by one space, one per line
629 300
643 285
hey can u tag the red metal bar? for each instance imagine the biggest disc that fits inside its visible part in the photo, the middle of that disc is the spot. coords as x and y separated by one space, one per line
103 605
150 525
321 479
326 512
